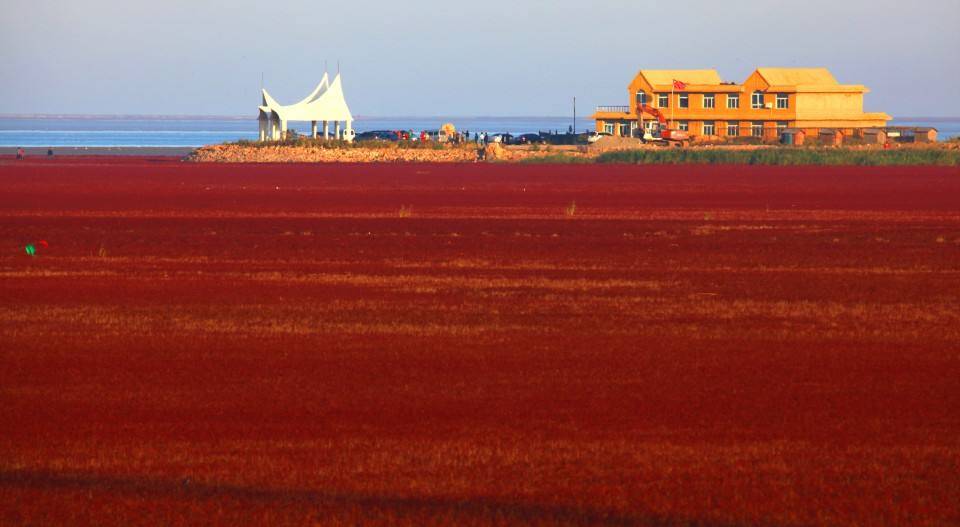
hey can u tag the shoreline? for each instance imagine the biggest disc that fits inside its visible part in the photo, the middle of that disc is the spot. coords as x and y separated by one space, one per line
935 154
41 151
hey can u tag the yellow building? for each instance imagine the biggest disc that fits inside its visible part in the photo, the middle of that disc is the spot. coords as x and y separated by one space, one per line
770 100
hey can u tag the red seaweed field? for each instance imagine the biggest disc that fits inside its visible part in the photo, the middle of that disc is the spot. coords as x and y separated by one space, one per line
478 344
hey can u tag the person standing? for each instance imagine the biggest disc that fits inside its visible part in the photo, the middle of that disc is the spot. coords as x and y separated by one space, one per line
19 153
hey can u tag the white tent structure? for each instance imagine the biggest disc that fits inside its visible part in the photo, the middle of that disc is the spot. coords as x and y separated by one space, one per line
325 104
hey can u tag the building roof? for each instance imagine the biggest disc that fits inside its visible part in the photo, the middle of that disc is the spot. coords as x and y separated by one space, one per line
819 88
325 103
663 77
797 76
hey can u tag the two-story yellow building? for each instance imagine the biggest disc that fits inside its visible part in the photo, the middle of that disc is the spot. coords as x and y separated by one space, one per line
769 101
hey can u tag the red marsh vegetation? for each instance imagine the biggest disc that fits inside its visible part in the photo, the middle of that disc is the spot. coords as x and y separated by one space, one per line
417 344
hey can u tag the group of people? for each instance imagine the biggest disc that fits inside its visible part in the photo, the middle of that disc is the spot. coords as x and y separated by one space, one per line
21 153
410 135
481 139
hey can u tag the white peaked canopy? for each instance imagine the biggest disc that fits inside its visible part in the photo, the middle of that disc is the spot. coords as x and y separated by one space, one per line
325 103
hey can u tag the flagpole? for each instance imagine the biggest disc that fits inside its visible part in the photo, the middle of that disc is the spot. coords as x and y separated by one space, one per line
673 103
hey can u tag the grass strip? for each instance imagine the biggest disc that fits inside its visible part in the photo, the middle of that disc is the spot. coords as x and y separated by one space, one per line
785 157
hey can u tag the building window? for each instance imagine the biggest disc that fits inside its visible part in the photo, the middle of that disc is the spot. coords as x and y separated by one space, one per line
756 102
781 126
709 100
624 129
663 100
756 129
684 101
733 101
642 98
783 101
683 125
608 128
709 128
733 129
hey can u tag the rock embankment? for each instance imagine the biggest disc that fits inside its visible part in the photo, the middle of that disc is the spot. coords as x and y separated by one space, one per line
313 154
229 153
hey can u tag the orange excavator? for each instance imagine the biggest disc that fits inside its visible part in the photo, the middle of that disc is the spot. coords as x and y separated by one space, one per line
659 132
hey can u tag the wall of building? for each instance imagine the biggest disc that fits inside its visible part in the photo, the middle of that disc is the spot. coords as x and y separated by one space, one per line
824 106
810 111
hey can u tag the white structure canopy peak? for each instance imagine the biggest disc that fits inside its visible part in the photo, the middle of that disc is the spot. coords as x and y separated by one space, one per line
325 103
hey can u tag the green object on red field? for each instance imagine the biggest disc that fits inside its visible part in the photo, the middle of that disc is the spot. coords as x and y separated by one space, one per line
32 248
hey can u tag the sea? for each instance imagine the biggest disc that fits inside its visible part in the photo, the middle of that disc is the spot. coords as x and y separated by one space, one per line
48 131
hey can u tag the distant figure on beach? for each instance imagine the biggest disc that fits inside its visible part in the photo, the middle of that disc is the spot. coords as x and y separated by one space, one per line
19 153
49 152
481 152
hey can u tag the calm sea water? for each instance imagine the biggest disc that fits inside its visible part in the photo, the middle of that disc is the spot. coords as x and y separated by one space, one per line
196 132
81 132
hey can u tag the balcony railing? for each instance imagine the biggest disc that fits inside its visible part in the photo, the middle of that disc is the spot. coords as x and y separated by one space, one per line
614 109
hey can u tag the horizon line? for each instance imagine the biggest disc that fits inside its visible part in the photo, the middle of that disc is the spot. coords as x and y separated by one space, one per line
244 117
358 117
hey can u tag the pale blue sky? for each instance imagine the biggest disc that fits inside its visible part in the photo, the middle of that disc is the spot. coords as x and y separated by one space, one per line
523 57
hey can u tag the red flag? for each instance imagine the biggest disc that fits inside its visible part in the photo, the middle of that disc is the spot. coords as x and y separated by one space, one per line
679 85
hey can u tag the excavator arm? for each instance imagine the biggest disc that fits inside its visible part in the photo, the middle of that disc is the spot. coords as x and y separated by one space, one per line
664 133
644 108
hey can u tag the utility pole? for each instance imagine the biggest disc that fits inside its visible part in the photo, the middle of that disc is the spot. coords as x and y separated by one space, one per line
574 116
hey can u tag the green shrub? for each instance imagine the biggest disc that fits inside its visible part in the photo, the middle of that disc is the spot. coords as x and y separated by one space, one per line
785 157
559 158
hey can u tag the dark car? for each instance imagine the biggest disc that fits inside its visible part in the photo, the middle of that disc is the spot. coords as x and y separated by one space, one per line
377 135
528 139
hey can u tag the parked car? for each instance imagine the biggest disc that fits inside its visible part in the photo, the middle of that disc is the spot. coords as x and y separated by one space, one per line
503 138
377 135
528 139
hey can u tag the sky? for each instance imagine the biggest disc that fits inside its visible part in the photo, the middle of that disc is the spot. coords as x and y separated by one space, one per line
455 58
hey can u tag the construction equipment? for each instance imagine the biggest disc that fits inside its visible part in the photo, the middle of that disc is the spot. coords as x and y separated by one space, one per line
659 132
